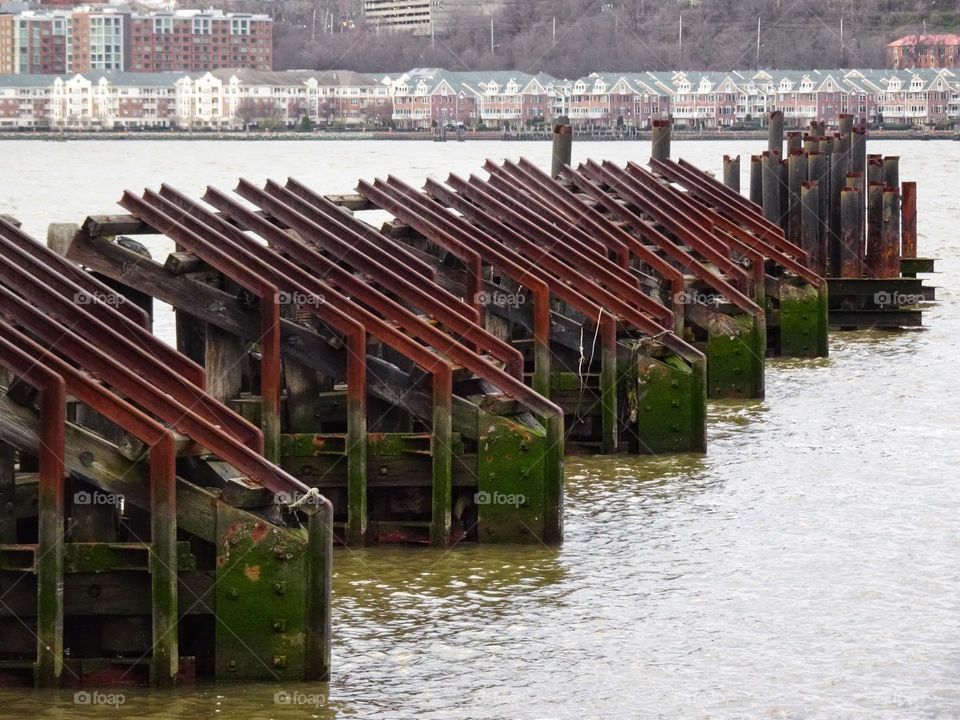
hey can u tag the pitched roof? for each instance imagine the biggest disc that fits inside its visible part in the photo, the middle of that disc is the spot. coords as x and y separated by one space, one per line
919 39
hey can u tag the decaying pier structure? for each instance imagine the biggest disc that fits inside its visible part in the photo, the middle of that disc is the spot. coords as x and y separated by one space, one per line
852 215
339 381
128 552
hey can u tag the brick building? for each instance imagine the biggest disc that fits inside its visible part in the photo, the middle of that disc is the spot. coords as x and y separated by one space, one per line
92 38
192 40
924 51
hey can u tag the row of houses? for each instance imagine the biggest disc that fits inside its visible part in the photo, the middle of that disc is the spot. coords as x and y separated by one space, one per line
218 99
423 98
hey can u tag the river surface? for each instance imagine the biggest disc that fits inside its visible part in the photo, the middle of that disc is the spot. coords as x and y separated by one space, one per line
807 567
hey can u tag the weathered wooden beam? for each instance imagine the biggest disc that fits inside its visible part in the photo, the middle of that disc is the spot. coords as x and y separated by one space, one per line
111 225
100 463
181 263
351 201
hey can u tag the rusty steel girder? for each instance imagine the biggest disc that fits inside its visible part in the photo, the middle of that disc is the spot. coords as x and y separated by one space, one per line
289 263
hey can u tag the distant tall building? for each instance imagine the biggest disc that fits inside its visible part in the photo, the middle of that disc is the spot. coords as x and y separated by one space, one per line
39 43
6 45
95 41
421 17
94 38
193 40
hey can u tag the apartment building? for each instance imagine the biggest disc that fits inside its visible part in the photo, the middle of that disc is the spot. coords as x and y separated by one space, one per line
91 38
95 40
219 99
911 97
422 17
425 97
7 54
610 100
924 51
25 101
193 40
39 43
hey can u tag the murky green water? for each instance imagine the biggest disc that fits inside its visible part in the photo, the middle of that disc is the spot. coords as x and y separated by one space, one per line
807 567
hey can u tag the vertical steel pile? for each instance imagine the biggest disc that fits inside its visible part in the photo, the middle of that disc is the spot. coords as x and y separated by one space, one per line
104 470
860 233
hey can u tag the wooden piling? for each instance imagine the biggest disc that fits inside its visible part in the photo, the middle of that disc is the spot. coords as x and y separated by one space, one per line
838 174
874 169
731 172
844 124
842 143
856 180
784 195
827 143
908 221
660 139
818 170
562 145
8 489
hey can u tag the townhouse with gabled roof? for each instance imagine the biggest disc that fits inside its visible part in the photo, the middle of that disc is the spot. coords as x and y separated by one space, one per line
705 100
612 99
425 97
910 97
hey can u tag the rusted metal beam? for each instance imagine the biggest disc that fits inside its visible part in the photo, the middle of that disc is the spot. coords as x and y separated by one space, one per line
458 317
559 240
429 361
86 282
160 440
23 273
579 212
48 553
100 300
647 230
266 292
432 221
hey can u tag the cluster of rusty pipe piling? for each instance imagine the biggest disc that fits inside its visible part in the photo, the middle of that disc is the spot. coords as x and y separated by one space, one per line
860 234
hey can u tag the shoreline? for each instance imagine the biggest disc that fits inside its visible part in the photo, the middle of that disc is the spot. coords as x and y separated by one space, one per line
326 136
